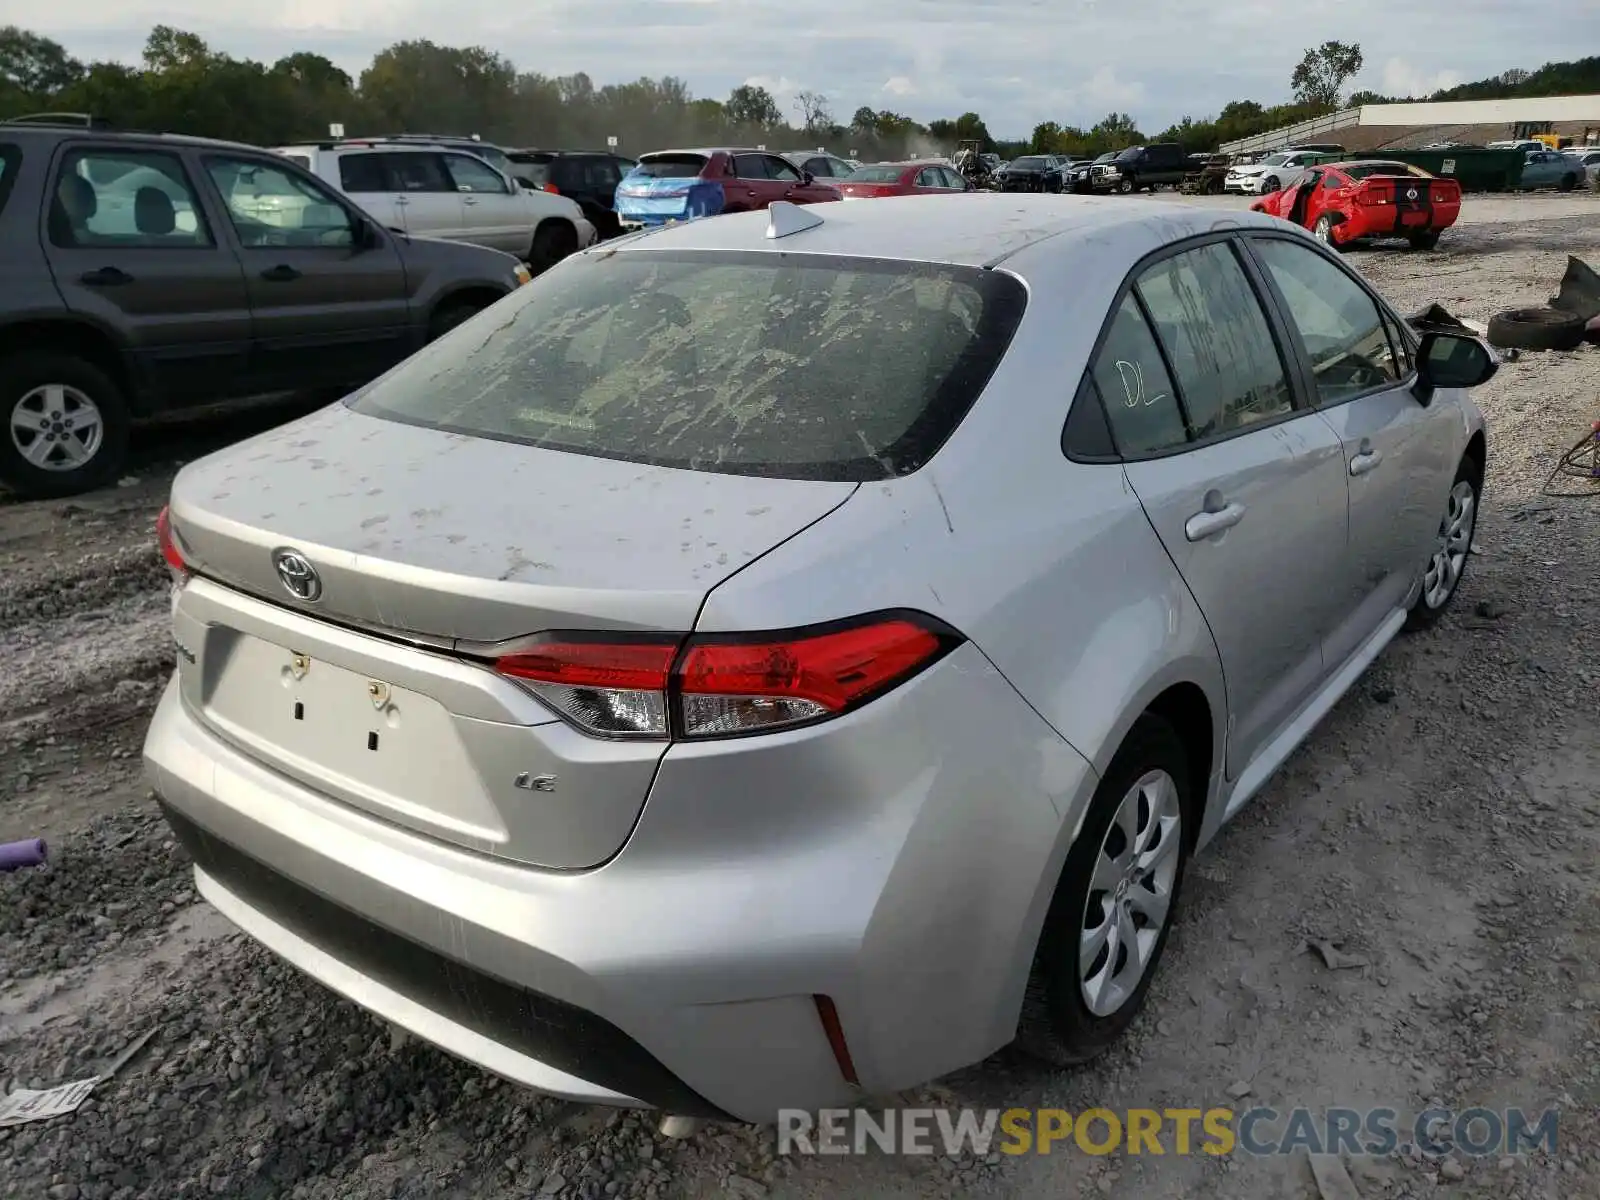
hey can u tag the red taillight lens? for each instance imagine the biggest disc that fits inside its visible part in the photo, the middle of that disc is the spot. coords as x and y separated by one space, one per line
1376 193
552 189
612 688
169 545
739 686
723 685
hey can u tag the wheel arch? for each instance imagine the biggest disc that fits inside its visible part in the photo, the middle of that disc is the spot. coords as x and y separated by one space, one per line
84 339
481 294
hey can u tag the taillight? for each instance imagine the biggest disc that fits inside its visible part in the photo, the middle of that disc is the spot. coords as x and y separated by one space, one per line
722 685
610 687
1375 193
169 547
552 189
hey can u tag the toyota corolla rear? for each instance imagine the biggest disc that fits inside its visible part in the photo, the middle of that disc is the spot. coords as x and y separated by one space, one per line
448 730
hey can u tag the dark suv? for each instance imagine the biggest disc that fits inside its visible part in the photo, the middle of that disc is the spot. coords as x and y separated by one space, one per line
148 271
589 177
1140 168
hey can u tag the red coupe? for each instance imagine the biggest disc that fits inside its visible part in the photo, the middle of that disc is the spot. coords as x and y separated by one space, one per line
924 178
1348 202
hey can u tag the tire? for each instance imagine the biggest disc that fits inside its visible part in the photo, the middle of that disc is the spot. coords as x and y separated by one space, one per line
1323 231
1057 1023
1452 548
1568 182
450 314
1270 185
64 393
1126 187
1425 241
552 241
1536 329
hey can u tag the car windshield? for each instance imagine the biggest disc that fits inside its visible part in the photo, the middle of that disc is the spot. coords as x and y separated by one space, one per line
1031 163
669 166
1275 160
877 173
1108 156
737 362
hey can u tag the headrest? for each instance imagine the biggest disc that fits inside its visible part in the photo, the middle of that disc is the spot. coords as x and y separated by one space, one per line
153 213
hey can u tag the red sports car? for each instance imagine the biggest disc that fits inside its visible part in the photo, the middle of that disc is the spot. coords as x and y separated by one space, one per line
1347 202
921 178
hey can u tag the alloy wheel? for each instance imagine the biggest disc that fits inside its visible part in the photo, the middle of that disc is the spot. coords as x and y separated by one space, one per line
56 427
1452 546
1130 893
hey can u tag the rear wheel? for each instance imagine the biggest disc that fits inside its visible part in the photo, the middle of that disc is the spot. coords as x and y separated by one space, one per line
66 425
1113 907
1323 231
552 241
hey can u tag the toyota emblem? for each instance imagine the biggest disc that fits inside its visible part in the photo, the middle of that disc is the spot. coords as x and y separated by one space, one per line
299 577
1411 193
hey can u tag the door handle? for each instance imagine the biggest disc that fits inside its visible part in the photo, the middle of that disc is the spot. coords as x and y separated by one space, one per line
752 193
1205 524
402 200
282 273
1364 461
105 277
469 200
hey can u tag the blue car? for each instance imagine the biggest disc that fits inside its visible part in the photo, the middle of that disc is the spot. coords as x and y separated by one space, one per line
668 186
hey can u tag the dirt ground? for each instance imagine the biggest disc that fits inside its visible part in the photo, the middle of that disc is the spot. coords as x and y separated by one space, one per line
1441 829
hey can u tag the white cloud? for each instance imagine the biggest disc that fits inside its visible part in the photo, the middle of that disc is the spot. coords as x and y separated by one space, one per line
1402 78
934 58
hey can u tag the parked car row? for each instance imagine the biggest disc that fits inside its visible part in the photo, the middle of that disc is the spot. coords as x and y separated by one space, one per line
150 271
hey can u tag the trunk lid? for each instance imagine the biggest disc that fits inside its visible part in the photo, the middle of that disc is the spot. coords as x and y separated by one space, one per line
428 544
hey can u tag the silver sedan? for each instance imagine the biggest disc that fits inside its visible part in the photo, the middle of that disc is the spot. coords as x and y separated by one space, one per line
732 673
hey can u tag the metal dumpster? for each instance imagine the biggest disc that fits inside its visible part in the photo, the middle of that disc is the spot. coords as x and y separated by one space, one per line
1475 170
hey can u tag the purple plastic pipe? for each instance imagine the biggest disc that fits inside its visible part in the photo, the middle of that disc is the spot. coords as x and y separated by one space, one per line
16 855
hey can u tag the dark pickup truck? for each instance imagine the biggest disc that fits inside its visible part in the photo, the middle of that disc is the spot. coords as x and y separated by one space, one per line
1140 168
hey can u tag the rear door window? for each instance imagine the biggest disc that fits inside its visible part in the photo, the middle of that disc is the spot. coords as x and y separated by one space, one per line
114 197
416 171
10 163
739 362
750 166
1217 340
1132 379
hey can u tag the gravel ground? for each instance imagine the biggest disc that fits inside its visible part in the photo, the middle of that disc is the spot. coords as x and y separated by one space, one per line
1443 825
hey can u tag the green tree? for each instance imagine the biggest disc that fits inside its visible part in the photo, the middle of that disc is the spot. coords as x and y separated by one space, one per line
1323 72
1116 131
815 115
34 66
753 106
427 88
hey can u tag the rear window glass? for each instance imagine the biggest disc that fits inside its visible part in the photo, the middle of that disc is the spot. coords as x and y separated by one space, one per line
670 166
1030 164
362 173
10 160
303 160
794 365
534 173
875 175
1362 170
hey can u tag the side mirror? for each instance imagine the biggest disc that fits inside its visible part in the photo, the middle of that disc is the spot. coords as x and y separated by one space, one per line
1453 360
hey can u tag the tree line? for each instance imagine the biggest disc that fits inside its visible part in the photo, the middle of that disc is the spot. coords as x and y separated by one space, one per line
184 85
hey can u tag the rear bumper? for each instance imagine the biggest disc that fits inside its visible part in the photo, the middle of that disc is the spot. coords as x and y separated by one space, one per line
898 860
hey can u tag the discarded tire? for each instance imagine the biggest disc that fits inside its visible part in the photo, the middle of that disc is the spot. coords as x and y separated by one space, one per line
1536 329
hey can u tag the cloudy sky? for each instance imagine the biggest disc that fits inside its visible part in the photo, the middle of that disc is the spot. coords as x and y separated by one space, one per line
1016 62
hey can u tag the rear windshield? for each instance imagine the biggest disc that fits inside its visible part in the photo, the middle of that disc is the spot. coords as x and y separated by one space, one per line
875 175
535 172
670 166
754 363
1030 164
10 160
1362 170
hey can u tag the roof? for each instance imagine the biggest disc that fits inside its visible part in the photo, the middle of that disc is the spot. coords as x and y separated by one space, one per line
978 229
707 151
27 129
